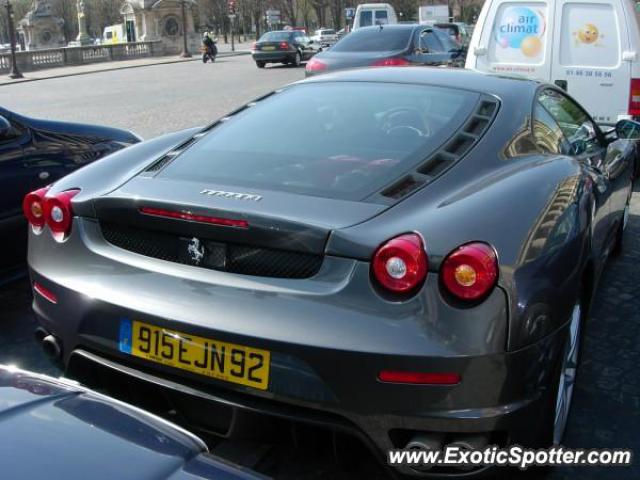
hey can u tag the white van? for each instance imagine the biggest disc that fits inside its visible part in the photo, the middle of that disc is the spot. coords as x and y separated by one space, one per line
370 14
588 47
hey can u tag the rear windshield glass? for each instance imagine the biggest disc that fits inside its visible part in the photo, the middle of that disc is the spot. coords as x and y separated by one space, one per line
275 36
337 140
375 39
327 32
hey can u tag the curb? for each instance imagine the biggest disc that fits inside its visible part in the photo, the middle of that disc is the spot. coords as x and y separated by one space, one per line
124 67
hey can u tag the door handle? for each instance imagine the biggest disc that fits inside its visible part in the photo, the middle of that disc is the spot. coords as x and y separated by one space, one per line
43 175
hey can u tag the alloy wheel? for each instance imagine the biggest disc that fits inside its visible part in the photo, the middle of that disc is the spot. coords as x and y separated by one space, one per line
567 375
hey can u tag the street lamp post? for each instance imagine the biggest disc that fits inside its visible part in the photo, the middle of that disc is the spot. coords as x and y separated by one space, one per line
15 72
185 47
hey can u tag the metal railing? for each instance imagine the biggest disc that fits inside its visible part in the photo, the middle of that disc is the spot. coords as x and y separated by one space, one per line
67 56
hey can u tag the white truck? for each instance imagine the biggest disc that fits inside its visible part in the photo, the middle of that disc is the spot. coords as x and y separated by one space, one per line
429 14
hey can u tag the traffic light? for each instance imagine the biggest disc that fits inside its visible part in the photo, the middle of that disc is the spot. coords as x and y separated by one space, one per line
231 6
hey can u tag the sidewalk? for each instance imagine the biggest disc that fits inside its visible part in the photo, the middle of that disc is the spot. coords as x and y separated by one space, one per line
224 50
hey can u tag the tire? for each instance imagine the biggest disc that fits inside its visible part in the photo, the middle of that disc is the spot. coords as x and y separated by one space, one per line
618 244
260 64
297 59
567 373
204 58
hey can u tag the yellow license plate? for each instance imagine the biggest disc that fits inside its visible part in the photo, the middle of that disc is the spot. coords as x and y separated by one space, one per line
268 48
204 356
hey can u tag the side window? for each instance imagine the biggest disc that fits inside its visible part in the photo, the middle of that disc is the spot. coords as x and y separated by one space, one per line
547 134
575 124
429 42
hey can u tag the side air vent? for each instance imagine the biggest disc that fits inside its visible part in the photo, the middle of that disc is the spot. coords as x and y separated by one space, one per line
436 164
450 153
166 159
403 187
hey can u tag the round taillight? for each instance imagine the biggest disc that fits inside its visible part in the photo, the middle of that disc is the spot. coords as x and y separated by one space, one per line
33 208
400 265
470 272
315 65
58 213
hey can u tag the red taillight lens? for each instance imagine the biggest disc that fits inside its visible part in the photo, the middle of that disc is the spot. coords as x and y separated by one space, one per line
391 62
419 378
314 65
400 265
58 213
44 292
471 271
634 97
33 207
284 45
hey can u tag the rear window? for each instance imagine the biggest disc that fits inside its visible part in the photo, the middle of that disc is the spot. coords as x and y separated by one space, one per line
366 18
590 35
327 32
337 140
275 36
375 40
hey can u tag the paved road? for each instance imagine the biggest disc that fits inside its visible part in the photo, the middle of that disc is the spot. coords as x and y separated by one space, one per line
150 100
153 100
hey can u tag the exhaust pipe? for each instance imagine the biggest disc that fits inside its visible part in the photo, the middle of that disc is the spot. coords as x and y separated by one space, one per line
425 441
474 441
51 346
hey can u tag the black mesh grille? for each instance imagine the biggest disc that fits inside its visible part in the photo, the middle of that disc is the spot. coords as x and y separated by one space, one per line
226 257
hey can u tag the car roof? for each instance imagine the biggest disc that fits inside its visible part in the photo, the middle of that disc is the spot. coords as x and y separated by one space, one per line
501 86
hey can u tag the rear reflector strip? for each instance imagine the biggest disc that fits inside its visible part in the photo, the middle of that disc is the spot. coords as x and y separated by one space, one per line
417 378
225 222
44 293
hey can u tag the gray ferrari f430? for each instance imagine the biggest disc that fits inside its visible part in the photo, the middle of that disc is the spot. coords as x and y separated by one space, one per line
406 254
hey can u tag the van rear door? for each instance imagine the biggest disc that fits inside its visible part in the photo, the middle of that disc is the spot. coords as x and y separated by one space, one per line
517 41
591 36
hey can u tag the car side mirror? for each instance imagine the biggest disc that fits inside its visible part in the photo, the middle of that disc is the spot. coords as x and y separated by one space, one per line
628 130
5 127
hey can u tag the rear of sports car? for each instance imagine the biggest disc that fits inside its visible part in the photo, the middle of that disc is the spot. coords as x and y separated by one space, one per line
225 272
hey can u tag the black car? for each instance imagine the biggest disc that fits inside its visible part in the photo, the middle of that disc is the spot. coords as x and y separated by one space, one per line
290 47
415 265
389 46
79 434
35 153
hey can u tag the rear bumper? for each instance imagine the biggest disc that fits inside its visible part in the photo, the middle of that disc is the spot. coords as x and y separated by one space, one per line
329 337
273 57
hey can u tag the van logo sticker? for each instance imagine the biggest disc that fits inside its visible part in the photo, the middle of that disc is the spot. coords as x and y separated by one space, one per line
522 29
588 35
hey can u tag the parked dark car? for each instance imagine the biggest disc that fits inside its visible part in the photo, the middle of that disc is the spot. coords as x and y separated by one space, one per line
415 265
80 434
389 46
35 153
290 47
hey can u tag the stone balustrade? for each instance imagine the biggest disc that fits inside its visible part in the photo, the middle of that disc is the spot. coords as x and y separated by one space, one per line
61 57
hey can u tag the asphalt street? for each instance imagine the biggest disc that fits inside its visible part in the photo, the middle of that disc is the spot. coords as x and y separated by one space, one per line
154 100
150 100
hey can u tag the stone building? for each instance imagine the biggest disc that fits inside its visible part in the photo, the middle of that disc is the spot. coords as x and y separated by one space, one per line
160 20
40 28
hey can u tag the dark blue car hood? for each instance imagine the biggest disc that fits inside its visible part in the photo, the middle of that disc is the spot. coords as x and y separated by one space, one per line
55 429
98 132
